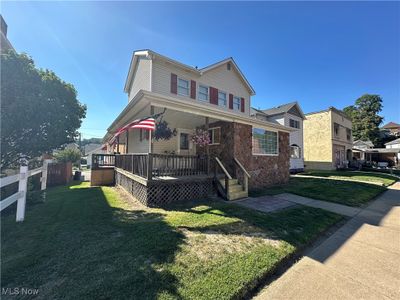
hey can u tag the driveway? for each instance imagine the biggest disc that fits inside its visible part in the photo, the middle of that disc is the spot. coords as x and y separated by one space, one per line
360 261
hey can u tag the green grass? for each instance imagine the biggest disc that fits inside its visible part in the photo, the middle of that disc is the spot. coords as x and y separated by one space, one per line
377 178
94 243
342 192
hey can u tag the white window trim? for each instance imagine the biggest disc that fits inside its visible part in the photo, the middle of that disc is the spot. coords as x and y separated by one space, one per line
198 92
178 146
226 98
240 103
219 136
177 86
265 154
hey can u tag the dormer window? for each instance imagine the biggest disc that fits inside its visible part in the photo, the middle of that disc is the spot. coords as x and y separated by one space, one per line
203 93
236 103
183 87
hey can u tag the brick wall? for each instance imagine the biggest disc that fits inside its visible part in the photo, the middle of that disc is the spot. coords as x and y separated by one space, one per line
236 141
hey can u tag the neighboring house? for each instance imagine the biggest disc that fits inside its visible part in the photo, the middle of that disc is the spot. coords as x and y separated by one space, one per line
216 98
359 148
88 155
328 140
393 144
5 44
392 128
291 115
90 147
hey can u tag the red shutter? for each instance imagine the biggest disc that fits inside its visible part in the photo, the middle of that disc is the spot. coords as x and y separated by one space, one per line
174 83
213 96
230 101
192 89
242 104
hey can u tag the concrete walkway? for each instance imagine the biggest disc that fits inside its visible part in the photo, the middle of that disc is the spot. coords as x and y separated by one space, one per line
333 207
265 203
359 261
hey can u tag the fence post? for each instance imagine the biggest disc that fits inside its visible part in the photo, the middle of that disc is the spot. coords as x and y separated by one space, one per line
22 189
44 174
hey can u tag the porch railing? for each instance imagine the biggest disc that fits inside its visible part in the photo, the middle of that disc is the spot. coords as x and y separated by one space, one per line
154 165
103 161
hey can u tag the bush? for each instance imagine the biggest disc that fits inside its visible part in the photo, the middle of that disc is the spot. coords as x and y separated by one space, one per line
68 155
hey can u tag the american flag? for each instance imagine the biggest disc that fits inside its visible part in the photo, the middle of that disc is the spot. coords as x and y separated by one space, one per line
147 124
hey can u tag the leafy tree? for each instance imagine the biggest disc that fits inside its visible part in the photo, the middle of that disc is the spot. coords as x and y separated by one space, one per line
68 155
39 111
365 117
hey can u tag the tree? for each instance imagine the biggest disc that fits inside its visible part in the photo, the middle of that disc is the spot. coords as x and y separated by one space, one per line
39 111
68 155
365 117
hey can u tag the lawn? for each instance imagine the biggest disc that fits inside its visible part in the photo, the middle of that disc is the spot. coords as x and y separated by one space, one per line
96 243
342 192
377 178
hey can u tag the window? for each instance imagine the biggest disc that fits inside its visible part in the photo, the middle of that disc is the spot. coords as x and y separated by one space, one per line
215 135
221 99
348 133
336 129
294 123
183 87
184 141
265 142
295 151
143 134
236 103
203 93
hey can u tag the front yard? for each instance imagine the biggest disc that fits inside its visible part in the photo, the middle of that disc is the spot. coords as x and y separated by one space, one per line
351 193
96 243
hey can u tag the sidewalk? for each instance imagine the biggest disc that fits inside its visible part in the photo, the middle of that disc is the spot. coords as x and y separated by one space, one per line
360 261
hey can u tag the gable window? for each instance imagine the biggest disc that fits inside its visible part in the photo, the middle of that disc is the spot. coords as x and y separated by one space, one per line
221 99
215 135
264 142
236 103
203 93
348 134
294 123
336 129
184 141
295 151
183 87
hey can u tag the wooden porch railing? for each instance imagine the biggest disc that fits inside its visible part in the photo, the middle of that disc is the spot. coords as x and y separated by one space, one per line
154 165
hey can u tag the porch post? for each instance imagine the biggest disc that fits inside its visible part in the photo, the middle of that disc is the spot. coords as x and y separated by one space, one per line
127 139
118 144
207 148
151 146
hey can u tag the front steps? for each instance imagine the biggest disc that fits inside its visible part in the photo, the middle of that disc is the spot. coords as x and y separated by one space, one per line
235 190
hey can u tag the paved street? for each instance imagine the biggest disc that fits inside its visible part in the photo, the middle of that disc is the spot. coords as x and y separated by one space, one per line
360 261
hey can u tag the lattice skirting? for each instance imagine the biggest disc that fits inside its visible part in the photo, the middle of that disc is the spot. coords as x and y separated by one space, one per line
156 193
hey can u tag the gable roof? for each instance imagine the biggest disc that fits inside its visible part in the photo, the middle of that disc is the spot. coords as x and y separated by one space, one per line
368 143
391 125
394 142
284 108
149 53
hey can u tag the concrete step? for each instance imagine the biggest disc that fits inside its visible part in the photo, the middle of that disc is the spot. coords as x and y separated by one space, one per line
231 181
237 195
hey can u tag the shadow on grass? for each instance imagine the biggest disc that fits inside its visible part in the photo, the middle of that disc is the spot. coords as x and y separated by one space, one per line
78 246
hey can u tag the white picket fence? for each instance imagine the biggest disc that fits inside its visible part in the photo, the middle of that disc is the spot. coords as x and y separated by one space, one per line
20 196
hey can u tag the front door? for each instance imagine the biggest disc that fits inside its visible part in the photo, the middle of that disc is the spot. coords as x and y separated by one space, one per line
185 145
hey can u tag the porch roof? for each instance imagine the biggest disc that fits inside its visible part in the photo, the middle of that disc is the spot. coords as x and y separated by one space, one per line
144 99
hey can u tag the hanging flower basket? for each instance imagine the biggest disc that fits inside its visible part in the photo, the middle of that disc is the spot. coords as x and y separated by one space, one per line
201 138
163 132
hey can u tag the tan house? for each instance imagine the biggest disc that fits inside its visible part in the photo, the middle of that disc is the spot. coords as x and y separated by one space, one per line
243 152
328 139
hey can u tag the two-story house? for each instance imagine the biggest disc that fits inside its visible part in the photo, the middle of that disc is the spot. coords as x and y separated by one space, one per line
328 139
248 152
290 115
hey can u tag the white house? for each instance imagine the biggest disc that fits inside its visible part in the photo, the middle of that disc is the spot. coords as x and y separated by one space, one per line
291 115
217 99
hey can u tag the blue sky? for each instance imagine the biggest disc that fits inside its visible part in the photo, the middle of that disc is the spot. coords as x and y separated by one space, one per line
317 53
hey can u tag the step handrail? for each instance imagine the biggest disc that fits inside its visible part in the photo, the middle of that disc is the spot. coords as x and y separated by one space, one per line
223 168
241 167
